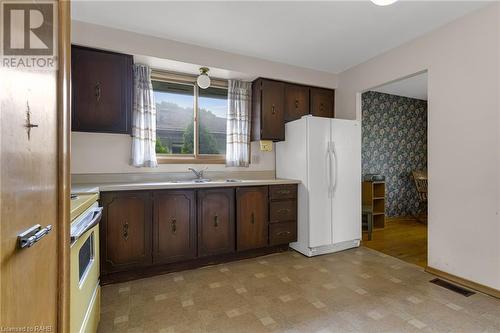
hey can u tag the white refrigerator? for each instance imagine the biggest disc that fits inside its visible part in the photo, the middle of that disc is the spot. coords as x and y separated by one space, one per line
325 155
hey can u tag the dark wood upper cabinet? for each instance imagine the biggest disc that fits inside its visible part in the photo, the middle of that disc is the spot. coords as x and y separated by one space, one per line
216 225
101 90
252 217
174 226
268 114
274 103
296 101
322 102
125 230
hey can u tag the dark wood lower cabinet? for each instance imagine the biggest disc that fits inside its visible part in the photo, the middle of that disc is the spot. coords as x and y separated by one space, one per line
125 230
144 233
215 221
174 226
251 217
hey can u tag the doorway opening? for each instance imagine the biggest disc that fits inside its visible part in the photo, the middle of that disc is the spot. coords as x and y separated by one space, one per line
394 168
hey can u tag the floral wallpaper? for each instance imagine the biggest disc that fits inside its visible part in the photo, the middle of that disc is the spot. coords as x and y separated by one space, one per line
394 143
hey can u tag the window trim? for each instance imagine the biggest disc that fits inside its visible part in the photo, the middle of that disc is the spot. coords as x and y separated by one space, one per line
196 158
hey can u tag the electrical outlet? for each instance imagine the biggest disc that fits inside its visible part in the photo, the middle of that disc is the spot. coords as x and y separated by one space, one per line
266 145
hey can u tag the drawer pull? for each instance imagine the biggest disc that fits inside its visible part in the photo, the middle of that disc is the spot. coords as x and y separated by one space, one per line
252 218
284 210
216 221
284 192
125 231
174 225
283 233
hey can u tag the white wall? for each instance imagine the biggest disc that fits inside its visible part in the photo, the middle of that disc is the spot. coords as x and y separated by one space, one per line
462 60
110 153
137 44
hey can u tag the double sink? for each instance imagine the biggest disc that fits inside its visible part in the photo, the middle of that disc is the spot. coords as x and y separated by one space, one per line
204 180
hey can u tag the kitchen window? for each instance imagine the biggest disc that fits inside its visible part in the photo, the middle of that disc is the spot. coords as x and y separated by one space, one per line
190 121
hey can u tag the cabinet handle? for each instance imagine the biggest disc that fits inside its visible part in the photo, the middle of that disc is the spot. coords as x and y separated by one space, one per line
98 91
284 233
284 191
125 231
174 225
284 210
216 221
296 103
273 109
321 107
252 218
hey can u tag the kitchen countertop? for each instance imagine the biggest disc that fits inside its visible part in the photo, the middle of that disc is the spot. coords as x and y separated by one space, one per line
132 186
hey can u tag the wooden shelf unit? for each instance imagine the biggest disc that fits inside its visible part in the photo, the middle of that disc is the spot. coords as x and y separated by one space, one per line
373 196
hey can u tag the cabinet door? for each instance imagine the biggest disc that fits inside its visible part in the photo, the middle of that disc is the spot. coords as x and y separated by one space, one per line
296 101
322 102
174 226
215 221
125 230
272 109
251 217
102 91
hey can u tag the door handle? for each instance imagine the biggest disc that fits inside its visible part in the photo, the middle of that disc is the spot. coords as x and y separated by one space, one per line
273 109
32 235
125 230
174 225
252 218
98 91
328 168
216 221
334 166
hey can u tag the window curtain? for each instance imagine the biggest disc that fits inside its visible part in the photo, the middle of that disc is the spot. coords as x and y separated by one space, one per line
143 119
238 123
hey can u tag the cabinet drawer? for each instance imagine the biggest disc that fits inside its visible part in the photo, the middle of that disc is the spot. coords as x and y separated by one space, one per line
282 233
281 211
278 192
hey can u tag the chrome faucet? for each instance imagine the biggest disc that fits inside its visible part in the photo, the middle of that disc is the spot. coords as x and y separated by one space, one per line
197 173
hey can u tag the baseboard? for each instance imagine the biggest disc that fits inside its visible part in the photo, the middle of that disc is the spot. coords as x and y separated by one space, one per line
159 269
464 282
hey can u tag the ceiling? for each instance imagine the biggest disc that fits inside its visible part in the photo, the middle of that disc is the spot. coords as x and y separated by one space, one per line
326 36
413 87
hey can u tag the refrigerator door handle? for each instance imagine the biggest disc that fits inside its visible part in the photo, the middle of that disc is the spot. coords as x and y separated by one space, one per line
329 168
333 167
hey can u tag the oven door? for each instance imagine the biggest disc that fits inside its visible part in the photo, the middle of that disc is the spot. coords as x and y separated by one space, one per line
84 277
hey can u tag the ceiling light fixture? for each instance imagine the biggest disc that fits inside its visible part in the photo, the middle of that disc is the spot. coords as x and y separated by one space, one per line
383 2
203 79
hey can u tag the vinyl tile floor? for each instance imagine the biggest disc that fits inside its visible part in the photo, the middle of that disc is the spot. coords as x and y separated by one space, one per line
358 290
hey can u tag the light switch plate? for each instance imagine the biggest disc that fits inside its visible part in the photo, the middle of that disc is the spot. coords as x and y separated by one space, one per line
266 145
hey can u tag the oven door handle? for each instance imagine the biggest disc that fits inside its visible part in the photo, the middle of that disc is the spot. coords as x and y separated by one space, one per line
96 218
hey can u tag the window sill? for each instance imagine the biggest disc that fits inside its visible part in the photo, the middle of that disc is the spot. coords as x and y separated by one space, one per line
190 160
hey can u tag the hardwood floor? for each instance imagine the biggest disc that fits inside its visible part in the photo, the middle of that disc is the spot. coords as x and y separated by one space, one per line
405 239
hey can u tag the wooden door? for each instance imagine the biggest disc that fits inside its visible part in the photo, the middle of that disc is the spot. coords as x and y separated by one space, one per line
125 230
322 102
174 229
251 217
102 90
296 101
272 109
215 221
33 188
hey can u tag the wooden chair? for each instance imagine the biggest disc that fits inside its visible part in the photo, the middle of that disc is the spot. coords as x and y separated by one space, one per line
420 180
